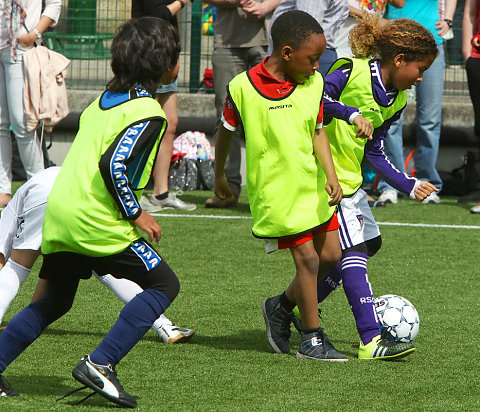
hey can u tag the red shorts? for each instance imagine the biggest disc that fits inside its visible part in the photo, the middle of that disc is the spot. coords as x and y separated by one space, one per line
291 241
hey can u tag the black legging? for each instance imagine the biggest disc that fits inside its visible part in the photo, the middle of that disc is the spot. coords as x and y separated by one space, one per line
472 66
60 291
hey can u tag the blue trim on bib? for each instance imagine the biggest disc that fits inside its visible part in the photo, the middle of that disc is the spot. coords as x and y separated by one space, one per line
149 256
118 168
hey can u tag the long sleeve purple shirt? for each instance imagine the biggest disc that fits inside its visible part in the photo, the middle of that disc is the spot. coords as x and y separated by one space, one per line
374 154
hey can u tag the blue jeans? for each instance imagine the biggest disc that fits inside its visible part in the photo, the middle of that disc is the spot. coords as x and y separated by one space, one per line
429 122
326 60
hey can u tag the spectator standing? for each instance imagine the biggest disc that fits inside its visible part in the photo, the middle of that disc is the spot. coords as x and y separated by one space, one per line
166 95
240 42
429 93
471 55
21 25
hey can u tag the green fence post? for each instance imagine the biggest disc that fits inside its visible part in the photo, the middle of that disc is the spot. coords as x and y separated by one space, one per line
195 45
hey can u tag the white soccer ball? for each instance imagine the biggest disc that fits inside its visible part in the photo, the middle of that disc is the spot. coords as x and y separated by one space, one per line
398 318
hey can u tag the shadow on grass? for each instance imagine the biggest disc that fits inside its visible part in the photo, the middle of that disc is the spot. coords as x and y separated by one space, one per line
56 387
63 332
250 340
256 340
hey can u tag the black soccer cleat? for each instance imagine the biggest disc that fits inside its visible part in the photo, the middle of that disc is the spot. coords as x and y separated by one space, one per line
277 321
317 346
103 380
6 389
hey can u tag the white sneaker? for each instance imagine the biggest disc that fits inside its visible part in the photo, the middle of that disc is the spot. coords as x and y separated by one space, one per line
475 209
151 204
170 333
432 198
388 196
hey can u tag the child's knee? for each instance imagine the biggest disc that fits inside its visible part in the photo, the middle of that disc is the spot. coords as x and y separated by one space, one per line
331 257
307 261
330 254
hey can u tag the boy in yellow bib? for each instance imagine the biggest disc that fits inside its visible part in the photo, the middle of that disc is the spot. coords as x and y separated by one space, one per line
93 214
291 182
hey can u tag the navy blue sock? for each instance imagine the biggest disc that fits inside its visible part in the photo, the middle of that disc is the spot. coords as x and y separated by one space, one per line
330 282
133 322
26 326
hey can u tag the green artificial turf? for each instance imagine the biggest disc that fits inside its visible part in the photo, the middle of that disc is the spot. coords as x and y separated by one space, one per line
229 365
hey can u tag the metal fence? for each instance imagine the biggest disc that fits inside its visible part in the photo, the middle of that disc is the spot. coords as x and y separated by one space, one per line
86 29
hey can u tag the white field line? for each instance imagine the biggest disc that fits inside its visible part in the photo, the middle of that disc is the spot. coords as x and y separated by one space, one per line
379 223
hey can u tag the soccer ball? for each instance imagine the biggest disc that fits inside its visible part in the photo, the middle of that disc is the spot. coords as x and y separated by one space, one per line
398 318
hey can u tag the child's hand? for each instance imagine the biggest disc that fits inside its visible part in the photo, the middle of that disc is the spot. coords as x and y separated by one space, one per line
364 128
221 188
148 223
334 189
424 190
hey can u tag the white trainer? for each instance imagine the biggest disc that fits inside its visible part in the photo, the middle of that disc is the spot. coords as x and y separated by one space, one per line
151 204
432 198
170 333
388 196
475 209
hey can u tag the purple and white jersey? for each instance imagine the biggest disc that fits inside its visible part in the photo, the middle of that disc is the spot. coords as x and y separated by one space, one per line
374 154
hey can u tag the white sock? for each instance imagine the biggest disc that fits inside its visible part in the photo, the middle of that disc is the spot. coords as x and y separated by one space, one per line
160 322
12 276
126 290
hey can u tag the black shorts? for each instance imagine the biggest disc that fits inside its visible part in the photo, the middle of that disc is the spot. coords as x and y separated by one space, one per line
139 263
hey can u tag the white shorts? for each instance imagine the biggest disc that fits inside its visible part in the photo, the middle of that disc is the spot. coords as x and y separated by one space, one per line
19 228
22 219
357 224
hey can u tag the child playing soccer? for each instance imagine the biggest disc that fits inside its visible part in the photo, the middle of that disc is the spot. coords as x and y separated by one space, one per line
400 53
93 212
291 182
20 240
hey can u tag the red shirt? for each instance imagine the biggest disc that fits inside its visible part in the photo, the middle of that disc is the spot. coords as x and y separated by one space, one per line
269 86
475 53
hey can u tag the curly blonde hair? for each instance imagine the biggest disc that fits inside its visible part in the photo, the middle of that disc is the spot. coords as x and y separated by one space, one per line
370 39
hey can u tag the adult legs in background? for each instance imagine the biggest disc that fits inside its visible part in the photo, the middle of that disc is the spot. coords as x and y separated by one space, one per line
168 101
12 113
5 142
429 116
393 148
429 93
161 198
472 67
